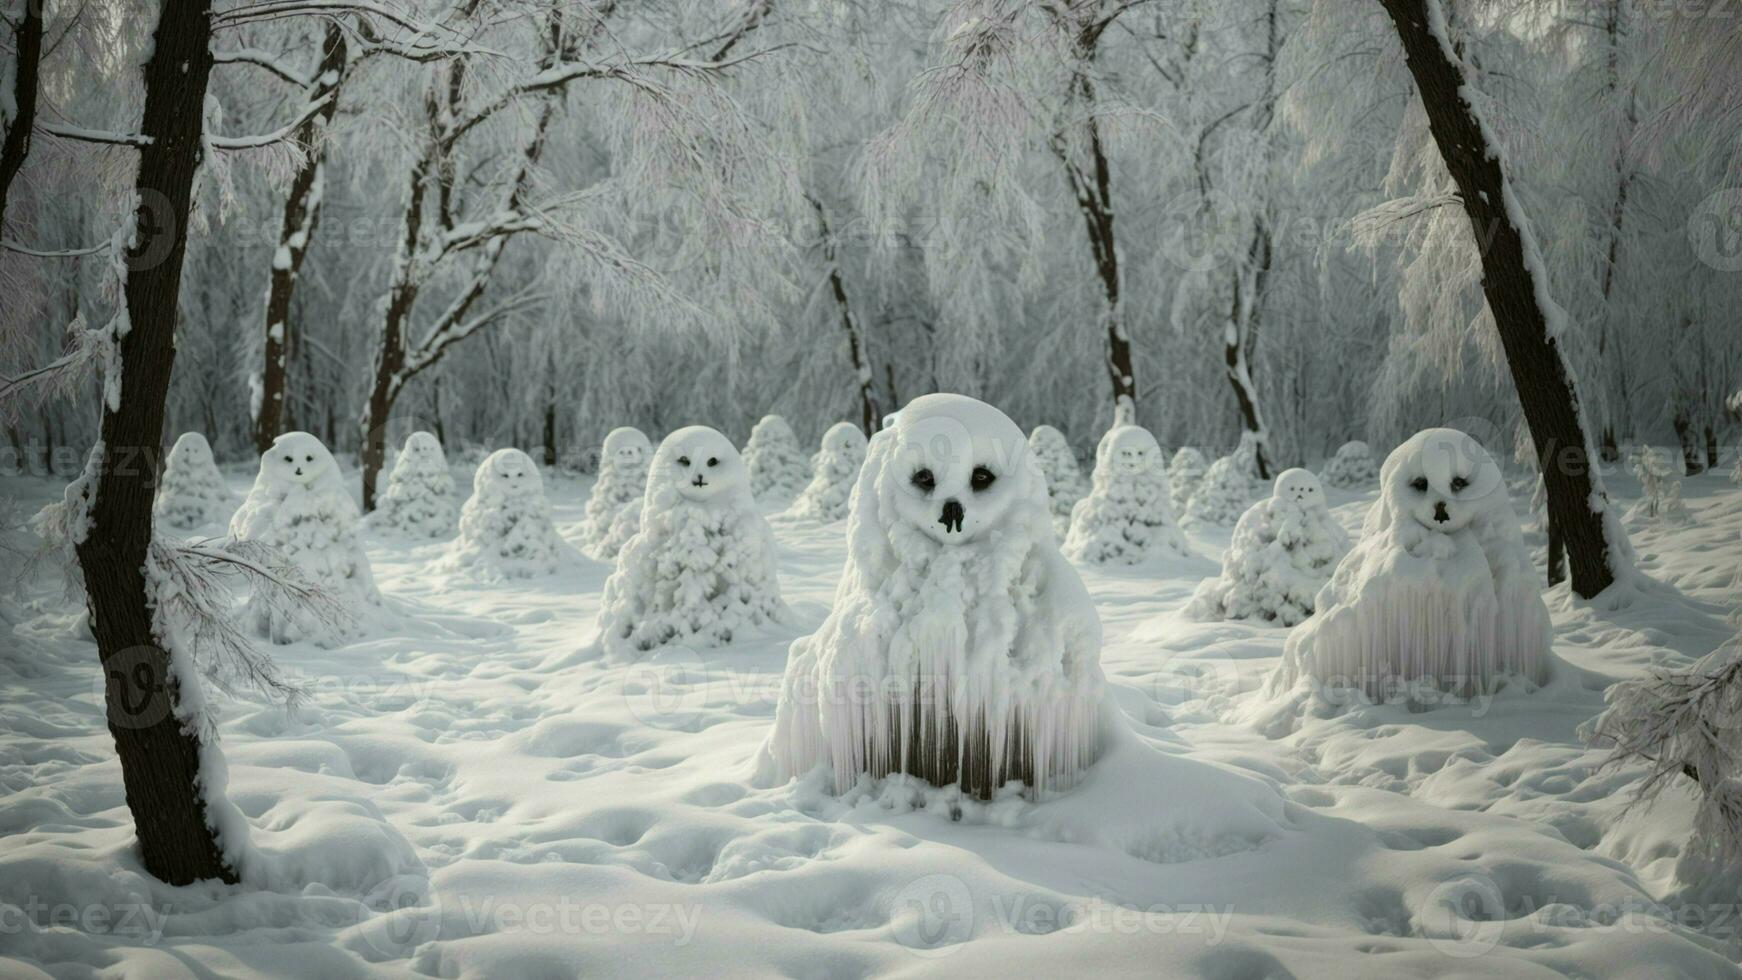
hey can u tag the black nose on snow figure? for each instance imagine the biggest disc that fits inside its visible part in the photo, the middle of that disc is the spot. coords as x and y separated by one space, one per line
952 518
1440 515
698 481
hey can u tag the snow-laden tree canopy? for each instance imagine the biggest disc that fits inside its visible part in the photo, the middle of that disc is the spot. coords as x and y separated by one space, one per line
1064 479
1352 468
505 526
1221 497
419 499
1283 551
774 462
191 491
614 507
1127 516
834 471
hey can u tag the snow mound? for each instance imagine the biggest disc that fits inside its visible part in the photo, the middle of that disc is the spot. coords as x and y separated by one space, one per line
419 500
1440 591
1283 552
962 648
299 507
505 527
1222 496
773 460
1351 467
614 508
1064 480
834 470
191 491
1127 516
701 568
1184 475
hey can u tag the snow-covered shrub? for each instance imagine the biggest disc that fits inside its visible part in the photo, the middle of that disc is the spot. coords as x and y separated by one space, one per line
962 648
1184 475
1283 551
1660 492
701 568
1064 480
834 469
192 491
1684 725
1351 468
420 490
774 462
300 510
614 508
1439 590
1127 515
505 527
1222 496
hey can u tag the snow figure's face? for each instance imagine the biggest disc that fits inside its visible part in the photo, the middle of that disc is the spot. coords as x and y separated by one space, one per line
843 438
511 473
191 450
423 447
298 459
625 448
957 469
772 428
1130 450
1442 479
700 464
1299 487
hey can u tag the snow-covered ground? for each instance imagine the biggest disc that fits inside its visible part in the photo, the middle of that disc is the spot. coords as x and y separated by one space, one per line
468 794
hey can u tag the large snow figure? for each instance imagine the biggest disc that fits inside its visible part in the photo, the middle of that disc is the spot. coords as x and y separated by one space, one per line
1222 496
1184 475
1440 590
1351 468
1283 552
614 508
1127 516
300 508
192 491
834 470
1064 481
775 463
702 566
505 527
420 490
962 648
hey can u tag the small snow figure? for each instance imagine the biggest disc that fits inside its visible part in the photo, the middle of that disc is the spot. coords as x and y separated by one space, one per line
192 491
1064 481
1440 591
834 470
1127 516
962 648
300 508
614 508
775 463
1184 475
702 567
505 527
1283 551
1351 468
1222 496
1660 493
420 491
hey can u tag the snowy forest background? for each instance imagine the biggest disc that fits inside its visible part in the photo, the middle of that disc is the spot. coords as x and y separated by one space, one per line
713 211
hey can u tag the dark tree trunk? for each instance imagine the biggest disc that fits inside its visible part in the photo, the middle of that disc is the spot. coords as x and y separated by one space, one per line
160 759
550 433
1611 452
1684 434
1539 372
28 52
302 212
870 411
1711 448
1557 555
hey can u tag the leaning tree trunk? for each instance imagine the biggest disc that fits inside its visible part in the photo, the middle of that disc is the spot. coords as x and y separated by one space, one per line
1511 269
870 411
302 212
160 757
27 44
1237 342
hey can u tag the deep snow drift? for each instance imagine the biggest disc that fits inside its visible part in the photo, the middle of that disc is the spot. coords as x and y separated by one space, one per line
701 568
419 499
834 470
300 507
1440 590
1126 517
191 491
1283 551
614 507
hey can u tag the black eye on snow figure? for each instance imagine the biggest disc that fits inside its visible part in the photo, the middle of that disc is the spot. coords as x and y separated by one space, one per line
1420 484
1459 483
713 461
310 458
924 480
683 461
290 459
982 478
